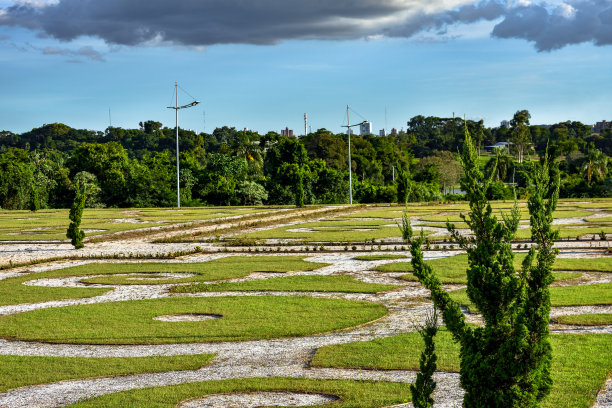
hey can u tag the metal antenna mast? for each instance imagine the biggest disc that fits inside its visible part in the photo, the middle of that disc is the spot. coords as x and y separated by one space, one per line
176 109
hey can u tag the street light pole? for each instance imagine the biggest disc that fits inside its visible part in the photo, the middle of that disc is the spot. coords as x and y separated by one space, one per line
176 109
348 132
350 162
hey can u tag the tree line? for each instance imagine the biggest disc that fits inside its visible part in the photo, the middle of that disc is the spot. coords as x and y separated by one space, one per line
137 167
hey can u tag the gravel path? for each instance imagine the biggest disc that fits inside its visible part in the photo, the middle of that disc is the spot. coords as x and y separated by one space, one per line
288 357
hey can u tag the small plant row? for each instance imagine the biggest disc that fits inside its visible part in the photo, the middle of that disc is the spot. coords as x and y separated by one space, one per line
215 235
121 255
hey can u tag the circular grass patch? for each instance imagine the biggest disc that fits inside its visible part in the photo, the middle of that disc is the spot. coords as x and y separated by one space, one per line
244 318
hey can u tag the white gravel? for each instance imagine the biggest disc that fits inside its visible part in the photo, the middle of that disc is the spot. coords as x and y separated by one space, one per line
287 357
260 399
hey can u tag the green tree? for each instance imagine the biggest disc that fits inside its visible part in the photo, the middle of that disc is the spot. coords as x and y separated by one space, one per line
596 163
74 232
424 386
507 362
521 134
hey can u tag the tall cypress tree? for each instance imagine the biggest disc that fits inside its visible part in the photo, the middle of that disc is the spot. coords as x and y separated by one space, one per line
505 363
75 234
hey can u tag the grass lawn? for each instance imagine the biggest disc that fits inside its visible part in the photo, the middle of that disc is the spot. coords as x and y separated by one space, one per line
15 292
21 371
599 319
353 394
560 213
336 283
585 295
331 231
381 257
581 363
45 225
242 318
453 269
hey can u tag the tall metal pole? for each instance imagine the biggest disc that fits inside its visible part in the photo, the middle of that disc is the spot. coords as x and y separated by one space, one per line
348 129
178 185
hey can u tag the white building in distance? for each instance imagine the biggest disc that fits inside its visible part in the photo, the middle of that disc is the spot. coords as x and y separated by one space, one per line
365 128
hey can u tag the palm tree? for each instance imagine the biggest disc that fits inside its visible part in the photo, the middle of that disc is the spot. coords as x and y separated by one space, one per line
596 162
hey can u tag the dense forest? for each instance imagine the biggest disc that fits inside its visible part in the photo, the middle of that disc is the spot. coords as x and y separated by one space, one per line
137 167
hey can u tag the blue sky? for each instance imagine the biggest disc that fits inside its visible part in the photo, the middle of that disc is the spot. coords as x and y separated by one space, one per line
53 70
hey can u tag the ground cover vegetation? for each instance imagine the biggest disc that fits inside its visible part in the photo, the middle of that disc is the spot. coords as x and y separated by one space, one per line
596 319
584 295
515 307
21 371
453 269
235 318
580 363
352 394
136 167
336 283
16 292
51 224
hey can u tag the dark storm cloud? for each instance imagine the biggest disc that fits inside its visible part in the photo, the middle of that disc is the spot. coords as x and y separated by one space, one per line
207 22
197 22
484 10
549 29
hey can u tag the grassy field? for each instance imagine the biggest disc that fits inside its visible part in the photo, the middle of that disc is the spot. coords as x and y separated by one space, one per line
242 318
15 292
45 225
21 371
586 295
453 269
352 394
581 363
336 283
600 319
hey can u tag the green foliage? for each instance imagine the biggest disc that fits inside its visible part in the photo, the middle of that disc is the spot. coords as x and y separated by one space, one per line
74 232
506 363
424 386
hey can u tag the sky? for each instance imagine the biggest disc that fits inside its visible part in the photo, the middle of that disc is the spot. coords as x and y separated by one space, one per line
262 64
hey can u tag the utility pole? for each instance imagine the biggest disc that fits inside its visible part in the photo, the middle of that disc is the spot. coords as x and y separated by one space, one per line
176 109
348 129
305 125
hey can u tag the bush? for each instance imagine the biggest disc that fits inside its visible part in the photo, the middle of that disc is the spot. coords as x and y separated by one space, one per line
75 234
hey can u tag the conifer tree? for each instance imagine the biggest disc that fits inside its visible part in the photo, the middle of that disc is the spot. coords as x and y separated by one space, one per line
505 363
75 234
424 386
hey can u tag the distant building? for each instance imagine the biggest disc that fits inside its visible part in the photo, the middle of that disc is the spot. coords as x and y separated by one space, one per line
365 128
287 132
499 145
505 124
601 126
382 133
393 131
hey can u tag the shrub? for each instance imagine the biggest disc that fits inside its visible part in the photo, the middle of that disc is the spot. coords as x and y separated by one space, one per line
507 362
75 234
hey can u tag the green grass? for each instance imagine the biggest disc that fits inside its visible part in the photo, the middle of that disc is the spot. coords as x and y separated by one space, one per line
598 319
335 283
15 292
21 371
380 257
453 269
332 231
243 318
586 295
581 363
353 394
562 213
46 225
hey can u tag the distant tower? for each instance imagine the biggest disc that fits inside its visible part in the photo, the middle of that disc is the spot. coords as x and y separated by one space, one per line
305 124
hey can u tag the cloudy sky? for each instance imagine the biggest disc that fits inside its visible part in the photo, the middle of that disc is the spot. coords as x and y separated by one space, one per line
262 64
